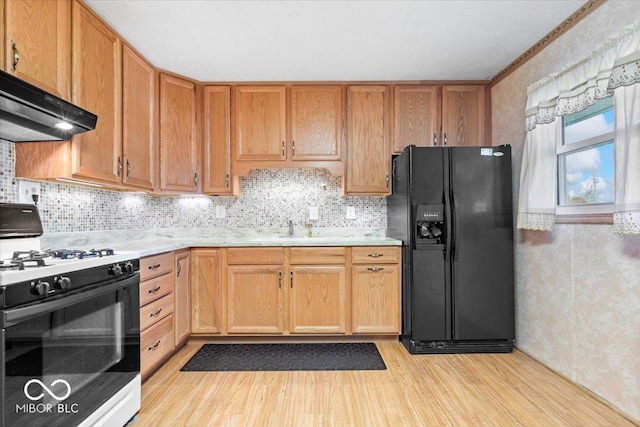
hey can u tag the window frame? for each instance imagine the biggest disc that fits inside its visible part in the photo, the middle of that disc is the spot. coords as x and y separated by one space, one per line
595 213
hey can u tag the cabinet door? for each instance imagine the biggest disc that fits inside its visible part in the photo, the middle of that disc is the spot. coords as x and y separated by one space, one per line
38 40
375 299
254 303
463 115
260 122
179 155
97 87
206 291
316 122
317 299
138 120
182 297
217 140
368 158
416 116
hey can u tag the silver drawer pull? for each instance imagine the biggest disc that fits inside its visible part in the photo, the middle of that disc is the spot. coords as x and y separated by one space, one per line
155 313
375 255
154 290
154 266
375 269
154 346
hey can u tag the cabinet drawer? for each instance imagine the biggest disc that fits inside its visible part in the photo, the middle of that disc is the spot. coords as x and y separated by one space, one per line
375 254
156 310
252 256
155 344
317 255
155 288
156 265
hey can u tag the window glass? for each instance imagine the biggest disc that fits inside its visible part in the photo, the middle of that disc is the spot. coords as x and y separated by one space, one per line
586 156
588 175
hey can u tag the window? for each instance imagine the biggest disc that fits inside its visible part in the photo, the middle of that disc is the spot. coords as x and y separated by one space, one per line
585 156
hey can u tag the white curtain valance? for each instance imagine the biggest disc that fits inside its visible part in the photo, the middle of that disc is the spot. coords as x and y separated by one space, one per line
613 64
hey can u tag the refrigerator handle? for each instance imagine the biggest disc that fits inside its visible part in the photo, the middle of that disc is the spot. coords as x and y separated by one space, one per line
452 226
447 220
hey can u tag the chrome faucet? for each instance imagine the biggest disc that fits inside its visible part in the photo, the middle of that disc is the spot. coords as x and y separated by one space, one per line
290 228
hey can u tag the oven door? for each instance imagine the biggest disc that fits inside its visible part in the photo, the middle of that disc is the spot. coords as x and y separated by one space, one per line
62 359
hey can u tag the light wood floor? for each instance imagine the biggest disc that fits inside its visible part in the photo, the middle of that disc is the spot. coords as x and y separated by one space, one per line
426 390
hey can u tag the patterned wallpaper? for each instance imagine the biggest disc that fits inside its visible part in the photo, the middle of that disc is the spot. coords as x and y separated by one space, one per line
269 198
577 288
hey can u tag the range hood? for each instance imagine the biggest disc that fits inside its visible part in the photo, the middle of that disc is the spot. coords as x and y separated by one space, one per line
28 113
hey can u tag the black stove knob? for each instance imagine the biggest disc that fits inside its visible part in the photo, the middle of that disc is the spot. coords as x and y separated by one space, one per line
127 267
115 270
41 288
62 282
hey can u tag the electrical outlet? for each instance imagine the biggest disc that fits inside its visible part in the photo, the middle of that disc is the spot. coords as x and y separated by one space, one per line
313 212
26 191
220 212
351 212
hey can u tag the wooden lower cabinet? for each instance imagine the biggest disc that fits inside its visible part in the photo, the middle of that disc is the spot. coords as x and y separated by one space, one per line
157 307
255 299
318 299
182 297
375 299
206 291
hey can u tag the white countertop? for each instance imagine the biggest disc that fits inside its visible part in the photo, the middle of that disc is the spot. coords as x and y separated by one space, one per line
152 242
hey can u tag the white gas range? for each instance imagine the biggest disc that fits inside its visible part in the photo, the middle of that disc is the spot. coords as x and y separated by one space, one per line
70 329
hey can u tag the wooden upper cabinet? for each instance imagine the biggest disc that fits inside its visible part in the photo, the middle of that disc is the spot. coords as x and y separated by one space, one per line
217 140
368 147
316 123
179 154
260 122
139 105
38 32
97 87
416 118
463 115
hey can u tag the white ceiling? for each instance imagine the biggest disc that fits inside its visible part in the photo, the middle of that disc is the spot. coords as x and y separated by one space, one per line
334 40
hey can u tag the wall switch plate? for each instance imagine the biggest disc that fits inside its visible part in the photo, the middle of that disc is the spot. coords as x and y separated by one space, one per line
313 212
351 212
26 191
220 211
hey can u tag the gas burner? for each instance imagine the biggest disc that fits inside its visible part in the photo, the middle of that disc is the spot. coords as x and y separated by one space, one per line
8 267
79 254
28 255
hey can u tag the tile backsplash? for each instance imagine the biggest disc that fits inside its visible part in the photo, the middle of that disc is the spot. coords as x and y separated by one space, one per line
268 198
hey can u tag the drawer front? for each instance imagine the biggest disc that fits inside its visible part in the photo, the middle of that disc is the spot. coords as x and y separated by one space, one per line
375 254
156 265
151 290
156 310
331 255
156 343
253 256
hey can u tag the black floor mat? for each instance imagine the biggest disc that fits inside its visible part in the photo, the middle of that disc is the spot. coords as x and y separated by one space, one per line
286 357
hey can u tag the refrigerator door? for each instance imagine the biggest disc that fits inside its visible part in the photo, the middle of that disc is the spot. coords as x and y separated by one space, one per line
482 243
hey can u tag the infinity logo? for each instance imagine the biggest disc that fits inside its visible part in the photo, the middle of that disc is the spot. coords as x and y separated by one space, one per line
52 394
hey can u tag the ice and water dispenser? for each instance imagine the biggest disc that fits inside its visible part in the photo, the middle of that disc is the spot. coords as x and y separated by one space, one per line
429 227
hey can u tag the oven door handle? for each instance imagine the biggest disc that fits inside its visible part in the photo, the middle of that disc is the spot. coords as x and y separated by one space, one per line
13 316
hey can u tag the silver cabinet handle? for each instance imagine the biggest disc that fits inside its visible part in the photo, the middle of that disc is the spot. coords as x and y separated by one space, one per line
227 180
179 269
128 168
154 346
16 56
154 266
293 148
375 269
155 313
154 290
387 179
292 280
280 279
445 139
283 149
119 166
196 179
375 255
435 139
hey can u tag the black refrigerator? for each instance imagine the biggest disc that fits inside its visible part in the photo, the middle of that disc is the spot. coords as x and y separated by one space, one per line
452 209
